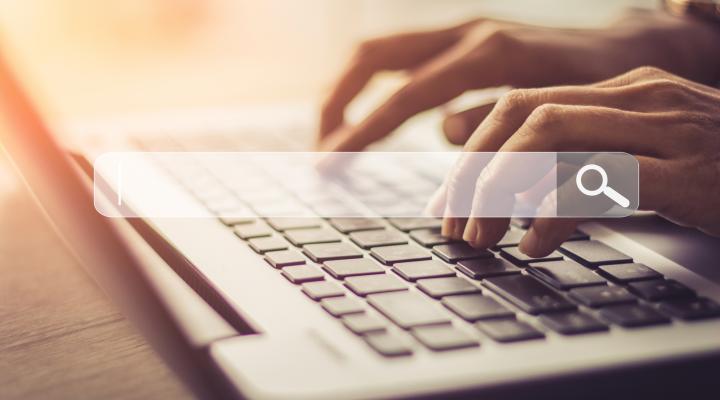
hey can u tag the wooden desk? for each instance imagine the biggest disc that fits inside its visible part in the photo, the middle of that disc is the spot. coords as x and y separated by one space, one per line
60 338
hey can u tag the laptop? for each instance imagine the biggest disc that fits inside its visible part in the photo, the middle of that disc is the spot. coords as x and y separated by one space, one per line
313 307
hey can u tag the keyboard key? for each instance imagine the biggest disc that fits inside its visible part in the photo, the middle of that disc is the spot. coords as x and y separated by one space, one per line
388 345
592 253
578 235
660 290
691 309
415 270
347 225
629 272
508 330
339 306
230 221
284 223
389 255
633 315
264 244
511 238
331 251
481 268
440 287
516 257
410 224
572 323
370 284
444 337
473 307
430 237
254 230
565 274
303 273
521 223
284 258
409 309
455 252
600 296
528 294
341 269
322 289
362 324
380 237
301 237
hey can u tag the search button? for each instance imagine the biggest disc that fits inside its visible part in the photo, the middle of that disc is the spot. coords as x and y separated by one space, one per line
621 200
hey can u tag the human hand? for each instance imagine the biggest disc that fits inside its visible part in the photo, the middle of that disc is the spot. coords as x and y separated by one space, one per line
442 64
670 124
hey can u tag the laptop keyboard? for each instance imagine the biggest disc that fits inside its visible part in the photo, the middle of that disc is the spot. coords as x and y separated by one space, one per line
375 275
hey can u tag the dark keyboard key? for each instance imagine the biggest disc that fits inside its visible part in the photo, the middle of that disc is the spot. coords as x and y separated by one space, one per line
511 238
443 337
440 287
629 272
264 244
341 269
508 330
230 221
565 274
370 284
578 235
592 253
600 296
303 273
455 252
572 323
301 237
691 309
322 289
410 224
339 306
331 251
284 223
415 270
362 324
409 309
254 230
347 225
516 257
481 268
474 307
389 255
380 237
284 258
430 237
633 315
388 345
528 294
660 290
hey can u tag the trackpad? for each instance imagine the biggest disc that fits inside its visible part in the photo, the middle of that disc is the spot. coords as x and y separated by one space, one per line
690 248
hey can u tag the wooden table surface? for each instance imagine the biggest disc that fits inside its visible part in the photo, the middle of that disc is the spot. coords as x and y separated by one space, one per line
60 337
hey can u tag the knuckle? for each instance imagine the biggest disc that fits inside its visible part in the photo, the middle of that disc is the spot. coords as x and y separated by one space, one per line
367 49
513 103
544 122
648 71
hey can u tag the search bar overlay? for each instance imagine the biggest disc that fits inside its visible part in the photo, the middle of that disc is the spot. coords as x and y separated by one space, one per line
367 184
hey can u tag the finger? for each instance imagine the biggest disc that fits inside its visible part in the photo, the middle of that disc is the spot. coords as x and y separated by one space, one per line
397 52
546 234
459 127
429 88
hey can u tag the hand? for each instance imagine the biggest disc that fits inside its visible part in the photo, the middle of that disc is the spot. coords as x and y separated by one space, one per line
671 125
443 64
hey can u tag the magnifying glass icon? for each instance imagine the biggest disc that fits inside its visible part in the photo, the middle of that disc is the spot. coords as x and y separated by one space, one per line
621 200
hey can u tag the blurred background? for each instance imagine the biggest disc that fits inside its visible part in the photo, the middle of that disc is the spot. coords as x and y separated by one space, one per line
89 58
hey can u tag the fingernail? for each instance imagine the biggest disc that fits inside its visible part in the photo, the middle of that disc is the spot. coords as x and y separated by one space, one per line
455 127
448 227
472 231
531 244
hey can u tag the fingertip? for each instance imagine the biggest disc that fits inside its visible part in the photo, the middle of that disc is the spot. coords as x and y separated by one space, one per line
455 128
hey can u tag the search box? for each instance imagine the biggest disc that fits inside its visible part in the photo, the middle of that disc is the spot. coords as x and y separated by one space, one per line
366 184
